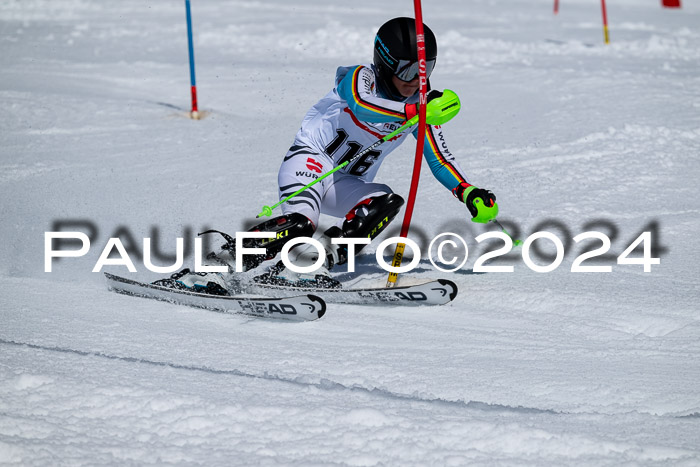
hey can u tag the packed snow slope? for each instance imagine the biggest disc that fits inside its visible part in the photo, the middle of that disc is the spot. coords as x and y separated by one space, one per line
557 368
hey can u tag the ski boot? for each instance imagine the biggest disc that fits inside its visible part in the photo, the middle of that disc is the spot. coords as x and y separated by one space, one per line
284 227
302 255
368 219
211 283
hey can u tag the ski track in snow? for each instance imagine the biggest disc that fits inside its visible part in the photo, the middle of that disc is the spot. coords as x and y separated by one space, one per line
521 369
185 424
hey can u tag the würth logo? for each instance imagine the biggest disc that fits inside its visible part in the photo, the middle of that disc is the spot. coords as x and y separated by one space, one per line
314 166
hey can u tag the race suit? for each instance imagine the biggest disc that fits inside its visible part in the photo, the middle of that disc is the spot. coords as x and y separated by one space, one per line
351 117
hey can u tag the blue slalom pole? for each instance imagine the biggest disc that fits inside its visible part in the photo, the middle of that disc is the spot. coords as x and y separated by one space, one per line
193 82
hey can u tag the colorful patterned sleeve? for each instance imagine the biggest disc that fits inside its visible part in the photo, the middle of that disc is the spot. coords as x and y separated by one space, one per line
358 88
440 160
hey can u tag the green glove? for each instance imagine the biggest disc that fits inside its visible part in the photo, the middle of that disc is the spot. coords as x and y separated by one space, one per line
442 107
481 204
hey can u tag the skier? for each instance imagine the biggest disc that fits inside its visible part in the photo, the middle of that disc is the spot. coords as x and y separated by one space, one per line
367 103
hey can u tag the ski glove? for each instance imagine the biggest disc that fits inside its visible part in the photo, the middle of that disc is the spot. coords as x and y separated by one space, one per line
480 202
442 106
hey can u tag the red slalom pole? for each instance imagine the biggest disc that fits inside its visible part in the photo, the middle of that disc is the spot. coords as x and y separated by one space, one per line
605 22
420 142
671 3
556 6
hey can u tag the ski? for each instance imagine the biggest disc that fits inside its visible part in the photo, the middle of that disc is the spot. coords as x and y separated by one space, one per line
299 307
437 292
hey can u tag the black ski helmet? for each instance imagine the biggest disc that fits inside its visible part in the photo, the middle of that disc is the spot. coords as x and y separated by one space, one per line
396 52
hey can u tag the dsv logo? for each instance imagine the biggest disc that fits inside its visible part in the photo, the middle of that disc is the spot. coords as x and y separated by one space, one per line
314 166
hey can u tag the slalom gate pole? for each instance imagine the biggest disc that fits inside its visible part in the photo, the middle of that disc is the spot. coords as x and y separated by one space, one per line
606 33
556 6
193 83
267 210
423 103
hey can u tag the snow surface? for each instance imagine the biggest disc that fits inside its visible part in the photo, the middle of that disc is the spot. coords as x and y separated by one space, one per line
523 368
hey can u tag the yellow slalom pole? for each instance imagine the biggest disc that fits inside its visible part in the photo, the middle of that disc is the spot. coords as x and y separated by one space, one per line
398 258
